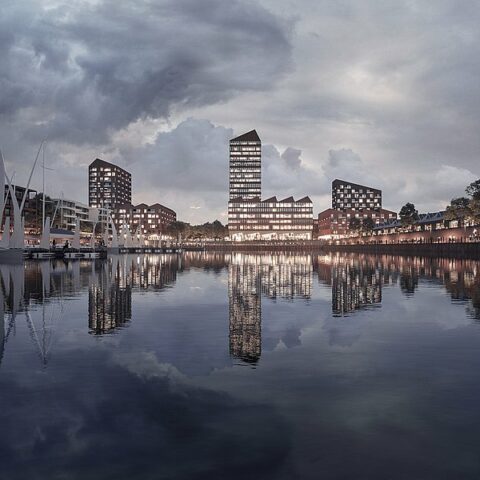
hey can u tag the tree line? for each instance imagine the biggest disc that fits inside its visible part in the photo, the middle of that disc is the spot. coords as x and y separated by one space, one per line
182 231
462 209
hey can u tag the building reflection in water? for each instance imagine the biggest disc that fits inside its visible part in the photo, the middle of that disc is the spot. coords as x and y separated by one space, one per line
356 281
249 278
110 293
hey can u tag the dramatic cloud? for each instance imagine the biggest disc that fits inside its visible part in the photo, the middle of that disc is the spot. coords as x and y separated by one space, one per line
80 71
385 93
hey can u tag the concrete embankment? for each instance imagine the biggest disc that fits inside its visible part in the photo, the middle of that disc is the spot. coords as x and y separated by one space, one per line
453 250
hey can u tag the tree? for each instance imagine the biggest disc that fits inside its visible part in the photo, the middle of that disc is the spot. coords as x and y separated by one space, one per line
368 225
459 209
408 214
219 230
354 225
178 229
473 190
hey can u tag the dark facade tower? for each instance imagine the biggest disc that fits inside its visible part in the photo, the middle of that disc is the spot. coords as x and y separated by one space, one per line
108 185
348 195
246 166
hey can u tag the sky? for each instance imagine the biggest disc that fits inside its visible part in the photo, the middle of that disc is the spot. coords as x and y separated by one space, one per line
385 93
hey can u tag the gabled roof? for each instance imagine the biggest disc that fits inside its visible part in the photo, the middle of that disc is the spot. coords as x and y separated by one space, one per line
270 200
422 218
287 200
251 136
304 200
430 217
390 224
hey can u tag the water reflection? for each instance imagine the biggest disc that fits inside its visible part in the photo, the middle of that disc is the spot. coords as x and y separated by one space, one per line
250 277
17 293
170 382
356 282
110 291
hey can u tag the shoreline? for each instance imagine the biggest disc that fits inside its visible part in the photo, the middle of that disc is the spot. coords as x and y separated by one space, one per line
453 250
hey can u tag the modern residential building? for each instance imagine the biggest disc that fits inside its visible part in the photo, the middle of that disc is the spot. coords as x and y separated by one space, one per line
347 195
245 166
351 200
66 213
270 219
150 220
108 185
426 222
249 217
335 223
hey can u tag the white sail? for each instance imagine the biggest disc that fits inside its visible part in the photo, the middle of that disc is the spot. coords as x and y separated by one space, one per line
16 240
114 235
45 241
21 235
76 236
5 242
128 240
30 177
106 236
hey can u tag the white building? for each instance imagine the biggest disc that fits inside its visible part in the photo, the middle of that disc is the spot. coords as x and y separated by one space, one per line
68 211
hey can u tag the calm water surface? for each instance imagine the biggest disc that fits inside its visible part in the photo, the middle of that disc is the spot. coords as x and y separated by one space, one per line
240 366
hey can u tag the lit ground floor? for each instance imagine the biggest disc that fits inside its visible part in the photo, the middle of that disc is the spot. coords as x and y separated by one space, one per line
271 235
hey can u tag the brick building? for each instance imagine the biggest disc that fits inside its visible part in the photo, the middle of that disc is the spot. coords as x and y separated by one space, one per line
146 219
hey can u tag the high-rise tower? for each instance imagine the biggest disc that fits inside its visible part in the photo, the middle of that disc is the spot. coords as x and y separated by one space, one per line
108 185
246 166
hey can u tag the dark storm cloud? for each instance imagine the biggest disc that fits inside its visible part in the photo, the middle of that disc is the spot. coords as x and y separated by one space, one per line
85 70
393 83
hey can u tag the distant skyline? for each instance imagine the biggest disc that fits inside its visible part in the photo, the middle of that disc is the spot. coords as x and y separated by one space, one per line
382 93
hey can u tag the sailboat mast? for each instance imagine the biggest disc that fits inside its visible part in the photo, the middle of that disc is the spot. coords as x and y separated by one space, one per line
43 188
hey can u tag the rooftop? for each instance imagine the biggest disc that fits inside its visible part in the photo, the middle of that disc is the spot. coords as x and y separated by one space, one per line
251 136
270 200
98 162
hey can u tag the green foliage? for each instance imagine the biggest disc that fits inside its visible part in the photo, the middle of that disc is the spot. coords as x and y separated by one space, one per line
177 229
354 225
473 190
368 225
208 231
459 209
408 214
466 209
